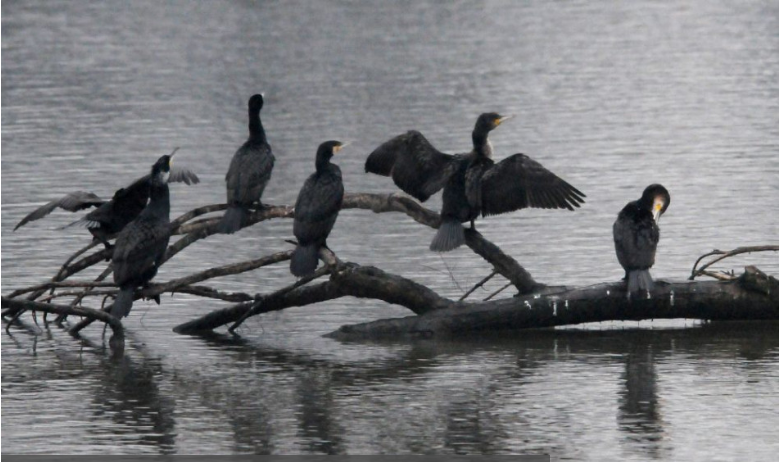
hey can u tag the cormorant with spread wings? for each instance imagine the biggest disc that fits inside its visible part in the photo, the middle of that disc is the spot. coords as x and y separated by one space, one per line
472 183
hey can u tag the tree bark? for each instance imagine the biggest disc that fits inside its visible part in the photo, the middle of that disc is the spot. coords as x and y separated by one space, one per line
753 296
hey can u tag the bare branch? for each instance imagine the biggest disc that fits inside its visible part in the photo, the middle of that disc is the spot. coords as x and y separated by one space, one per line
22 305
479 284
724 255
396 202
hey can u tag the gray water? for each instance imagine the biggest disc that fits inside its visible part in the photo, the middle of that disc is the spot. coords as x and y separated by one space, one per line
610 96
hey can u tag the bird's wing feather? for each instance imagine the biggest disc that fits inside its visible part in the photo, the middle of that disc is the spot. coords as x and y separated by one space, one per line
249 173
182 174
521 182
73 201
138 247
635 241
417 167
317 207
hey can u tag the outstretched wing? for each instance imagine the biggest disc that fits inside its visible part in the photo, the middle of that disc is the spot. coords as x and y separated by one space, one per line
416 167
180 174
73 201
521 182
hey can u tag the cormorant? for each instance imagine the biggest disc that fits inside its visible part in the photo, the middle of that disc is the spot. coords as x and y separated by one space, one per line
636 236
316 209
249 171
141 245
471 182
111 216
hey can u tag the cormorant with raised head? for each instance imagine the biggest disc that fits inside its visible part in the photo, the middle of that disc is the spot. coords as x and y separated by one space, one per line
110 217
249 172
142 244
316 209
636 236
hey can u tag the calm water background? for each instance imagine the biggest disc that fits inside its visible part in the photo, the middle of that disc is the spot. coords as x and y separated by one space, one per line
612 97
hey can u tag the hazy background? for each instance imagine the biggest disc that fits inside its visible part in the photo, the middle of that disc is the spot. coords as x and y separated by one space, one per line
611 97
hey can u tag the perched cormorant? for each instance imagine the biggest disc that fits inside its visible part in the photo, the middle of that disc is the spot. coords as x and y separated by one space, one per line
249 171
472 183
316 209
111 216
142 244
636 236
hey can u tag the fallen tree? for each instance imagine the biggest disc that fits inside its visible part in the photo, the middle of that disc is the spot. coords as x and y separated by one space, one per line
752 295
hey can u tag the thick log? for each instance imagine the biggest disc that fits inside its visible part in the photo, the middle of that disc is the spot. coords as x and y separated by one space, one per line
753 296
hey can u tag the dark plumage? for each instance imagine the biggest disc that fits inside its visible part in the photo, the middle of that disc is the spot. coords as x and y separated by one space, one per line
472 183
316 209
479 186
413 163
636 236
142 244
110 217
249 172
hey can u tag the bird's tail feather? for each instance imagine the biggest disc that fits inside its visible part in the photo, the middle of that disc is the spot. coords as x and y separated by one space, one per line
233 219
304 260
450 236
123 303
639 280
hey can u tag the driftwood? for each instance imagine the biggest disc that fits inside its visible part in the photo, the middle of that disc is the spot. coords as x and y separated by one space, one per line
753 295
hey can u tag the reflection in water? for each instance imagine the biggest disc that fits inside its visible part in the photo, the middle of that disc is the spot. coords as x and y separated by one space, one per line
317 426
639 417
129 393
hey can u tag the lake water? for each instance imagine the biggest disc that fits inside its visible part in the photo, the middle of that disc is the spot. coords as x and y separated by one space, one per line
610 96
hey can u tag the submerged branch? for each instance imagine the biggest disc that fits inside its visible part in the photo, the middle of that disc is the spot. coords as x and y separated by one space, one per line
25 305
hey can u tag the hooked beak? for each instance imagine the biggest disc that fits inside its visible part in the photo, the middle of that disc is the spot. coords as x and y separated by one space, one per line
340 147
171 156
657 206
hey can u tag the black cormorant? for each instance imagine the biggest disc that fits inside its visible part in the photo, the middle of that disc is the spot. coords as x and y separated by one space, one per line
316 209
111 216
636 236
249 172
472 183
141 245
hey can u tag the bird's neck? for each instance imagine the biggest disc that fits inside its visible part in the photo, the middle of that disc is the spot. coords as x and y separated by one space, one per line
256 129
321 164
159 200
481 144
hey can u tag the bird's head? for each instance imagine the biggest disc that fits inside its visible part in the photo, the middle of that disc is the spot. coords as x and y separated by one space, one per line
162 168
489 121
256 102
326 150
657 199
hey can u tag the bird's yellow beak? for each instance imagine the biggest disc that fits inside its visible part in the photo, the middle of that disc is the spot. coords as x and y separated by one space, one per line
171 156
502 119
337 148
657 206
